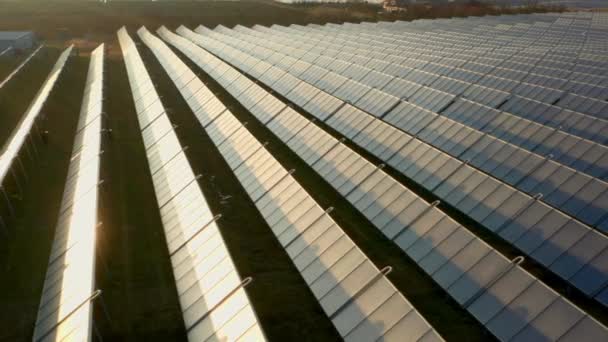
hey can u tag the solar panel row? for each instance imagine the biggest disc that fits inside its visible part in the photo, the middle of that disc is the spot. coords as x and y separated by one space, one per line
503 118
362 304
582 155
562 36
11 151
503 28
65 311
563 245
495 55
579 154
490 72
510 86
211 293
580 147
505 153
471 271
20 66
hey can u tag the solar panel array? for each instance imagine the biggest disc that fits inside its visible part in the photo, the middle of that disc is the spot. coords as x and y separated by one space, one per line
427 166
481 175
10 153
361 302
503 120
572 180
65 311
470 270
211 292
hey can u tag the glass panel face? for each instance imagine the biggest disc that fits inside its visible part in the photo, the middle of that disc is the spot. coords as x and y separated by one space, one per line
310 236
478 276
337 249
587 327
428 242
593 276
365 304
460 263
579 254
337 271
411 325
348 287
552 323
448 242
500 293
521 311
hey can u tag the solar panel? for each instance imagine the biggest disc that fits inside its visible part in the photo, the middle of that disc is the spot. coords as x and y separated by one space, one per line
20 66
437 102
210 290
348 286
509 74
65 310
358 181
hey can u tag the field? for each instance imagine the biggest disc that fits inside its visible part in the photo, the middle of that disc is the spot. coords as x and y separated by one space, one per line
139 299
64 20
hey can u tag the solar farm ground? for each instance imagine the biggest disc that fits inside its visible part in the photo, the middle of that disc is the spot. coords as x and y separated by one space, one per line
134 270
411 281
139 299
